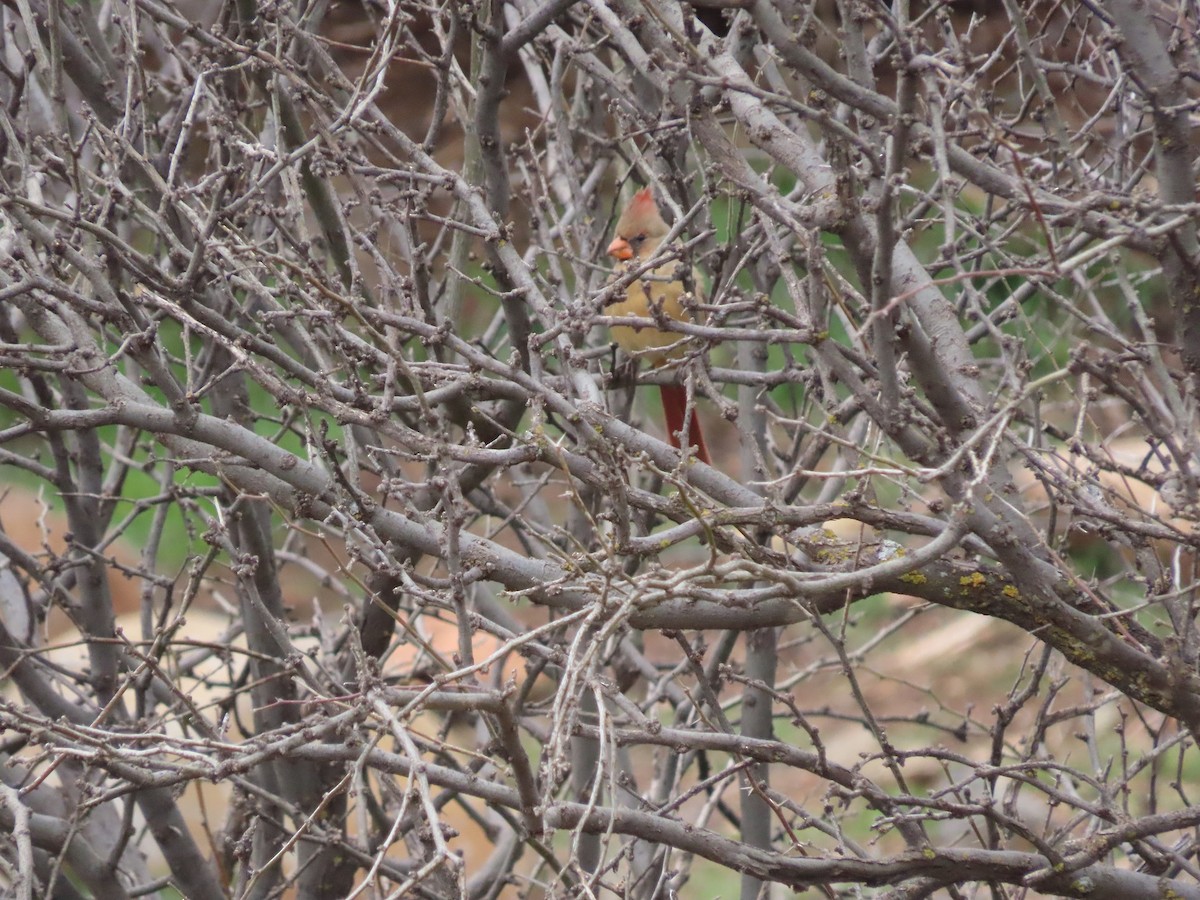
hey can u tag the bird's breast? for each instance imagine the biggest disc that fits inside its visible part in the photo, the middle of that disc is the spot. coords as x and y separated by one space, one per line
654 291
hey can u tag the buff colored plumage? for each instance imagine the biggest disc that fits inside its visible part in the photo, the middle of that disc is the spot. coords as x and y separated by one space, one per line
639 234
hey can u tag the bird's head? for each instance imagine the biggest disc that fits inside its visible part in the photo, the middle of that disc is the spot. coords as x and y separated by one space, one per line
639 230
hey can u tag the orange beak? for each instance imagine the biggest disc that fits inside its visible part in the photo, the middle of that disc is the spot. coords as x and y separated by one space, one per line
620 249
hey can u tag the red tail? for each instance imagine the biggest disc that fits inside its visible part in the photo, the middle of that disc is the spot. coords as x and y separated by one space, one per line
674 401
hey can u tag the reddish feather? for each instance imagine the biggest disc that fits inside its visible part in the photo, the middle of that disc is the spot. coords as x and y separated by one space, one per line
674 401
643 204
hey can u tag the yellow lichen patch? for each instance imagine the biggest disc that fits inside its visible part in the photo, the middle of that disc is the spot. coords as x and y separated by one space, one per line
973 581
833 555
913 578
1010 591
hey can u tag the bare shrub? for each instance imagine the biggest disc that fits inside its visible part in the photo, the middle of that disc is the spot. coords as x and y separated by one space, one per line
343 555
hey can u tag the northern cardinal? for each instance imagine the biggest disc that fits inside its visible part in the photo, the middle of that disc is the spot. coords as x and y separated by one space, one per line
640 232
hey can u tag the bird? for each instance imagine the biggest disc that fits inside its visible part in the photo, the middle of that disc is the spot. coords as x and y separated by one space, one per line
639 234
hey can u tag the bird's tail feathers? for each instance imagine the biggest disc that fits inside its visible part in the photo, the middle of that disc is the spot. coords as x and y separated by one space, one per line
675 409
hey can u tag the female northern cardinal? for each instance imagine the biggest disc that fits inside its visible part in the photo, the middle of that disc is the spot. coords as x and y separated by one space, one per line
640 232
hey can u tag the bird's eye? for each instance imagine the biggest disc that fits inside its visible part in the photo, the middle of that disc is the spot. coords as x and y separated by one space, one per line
637 240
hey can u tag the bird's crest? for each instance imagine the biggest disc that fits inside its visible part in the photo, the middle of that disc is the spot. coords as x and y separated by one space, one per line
643 203
641 215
